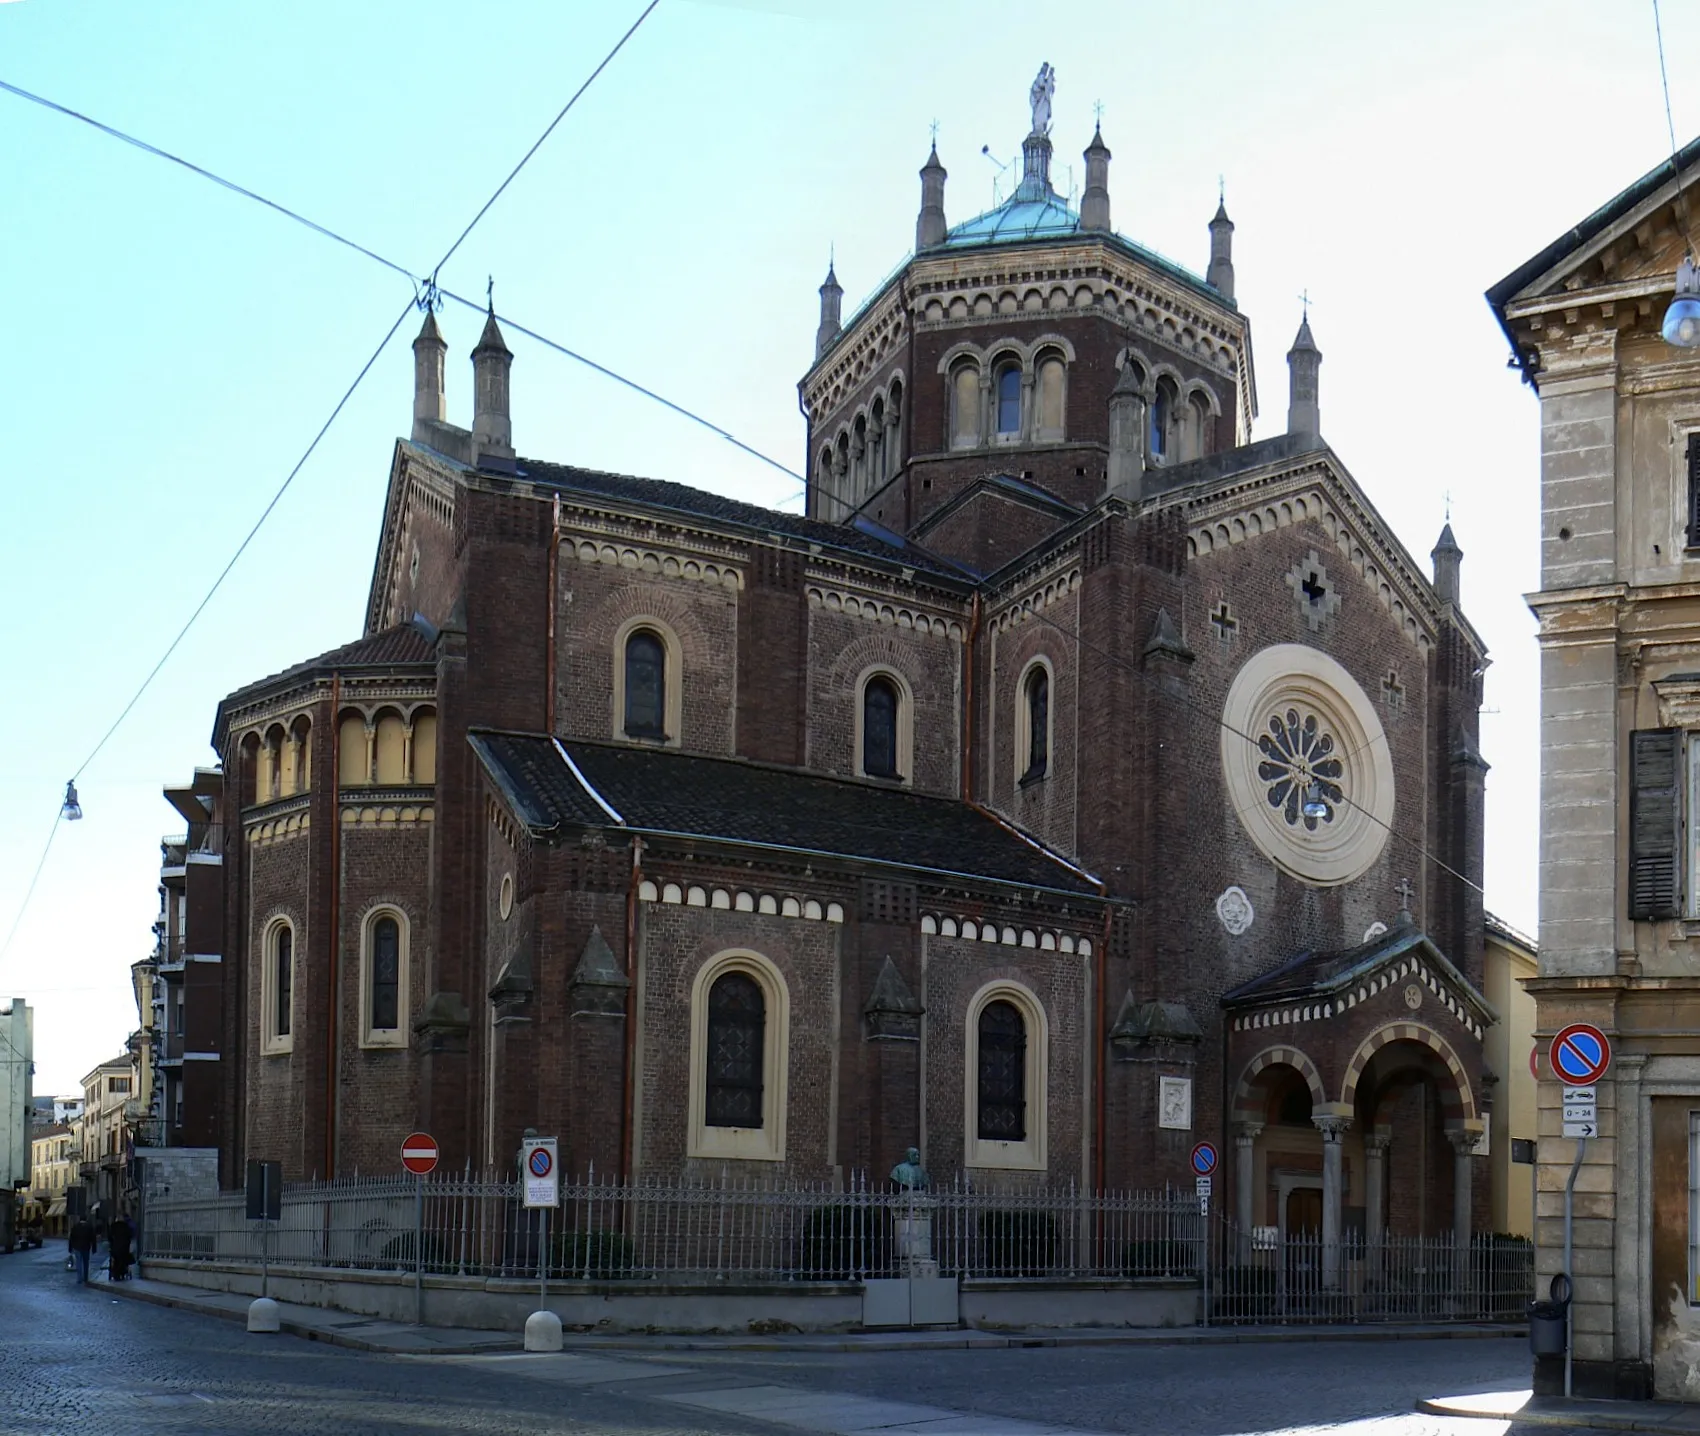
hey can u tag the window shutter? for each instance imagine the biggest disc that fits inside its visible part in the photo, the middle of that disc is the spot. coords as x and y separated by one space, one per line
1693 538
1655 823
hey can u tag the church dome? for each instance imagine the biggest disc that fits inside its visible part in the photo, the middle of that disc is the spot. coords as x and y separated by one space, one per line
1023 216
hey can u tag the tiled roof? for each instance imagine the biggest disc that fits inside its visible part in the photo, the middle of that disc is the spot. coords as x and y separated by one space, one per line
1317 974
671 498
403 644
653 790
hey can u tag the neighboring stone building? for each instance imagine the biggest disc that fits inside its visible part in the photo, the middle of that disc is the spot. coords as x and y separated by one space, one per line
1509 1078
17 1102
52 1173
102 1145
1619 611
1077 779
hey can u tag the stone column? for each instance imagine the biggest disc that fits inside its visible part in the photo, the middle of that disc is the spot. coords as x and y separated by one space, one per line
1245 1184
1463 1141
1375 1200
1333 1128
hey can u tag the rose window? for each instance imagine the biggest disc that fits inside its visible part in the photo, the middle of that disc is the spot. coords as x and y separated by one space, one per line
1300 770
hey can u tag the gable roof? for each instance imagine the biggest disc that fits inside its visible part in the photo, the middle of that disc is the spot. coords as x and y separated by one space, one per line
665 497
552 785
1322 974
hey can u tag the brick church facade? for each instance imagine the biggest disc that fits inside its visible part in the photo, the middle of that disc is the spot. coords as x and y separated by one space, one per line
1077 779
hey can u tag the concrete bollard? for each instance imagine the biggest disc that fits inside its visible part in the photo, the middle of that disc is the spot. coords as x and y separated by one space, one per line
263 1315
543 1331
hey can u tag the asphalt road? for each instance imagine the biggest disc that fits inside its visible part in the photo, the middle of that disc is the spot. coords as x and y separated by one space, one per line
80 1360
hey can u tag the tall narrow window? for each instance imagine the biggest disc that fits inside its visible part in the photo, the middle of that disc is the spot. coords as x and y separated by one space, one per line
1009 400
646 686
879 728
1038 723
386 974
1694 491
965 407
737 1022
1162 410
1003 1074
283 960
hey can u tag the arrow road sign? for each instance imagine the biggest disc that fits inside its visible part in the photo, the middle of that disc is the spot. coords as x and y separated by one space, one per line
1581 1129
1580 1054
1204 1159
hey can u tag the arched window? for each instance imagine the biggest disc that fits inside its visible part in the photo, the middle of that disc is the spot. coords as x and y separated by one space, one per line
646 685
1050 397
1009 400
1003 1073
1198 423
737 1022
385 978
964 407
277 987
1162 415
1036 699
879 728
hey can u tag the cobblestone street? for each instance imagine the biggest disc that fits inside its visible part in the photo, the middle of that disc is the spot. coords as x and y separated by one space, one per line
85 1361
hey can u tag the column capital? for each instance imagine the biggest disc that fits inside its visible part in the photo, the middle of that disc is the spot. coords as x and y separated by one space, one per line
1245 1133
1377 1143
1332 1128
1463 1141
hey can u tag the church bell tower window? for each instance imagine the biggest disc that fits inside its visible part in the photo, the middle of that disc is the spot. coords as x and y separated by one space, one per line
1009 401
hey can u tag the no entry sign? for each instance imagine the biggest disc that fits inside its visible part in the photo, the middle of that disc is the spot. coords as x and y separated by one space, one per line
1204 1159
419 1153
1580 1055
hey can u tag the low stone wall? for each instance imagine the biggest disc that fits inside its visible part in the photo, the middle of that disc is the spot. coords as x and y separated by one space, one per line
1019 1305
500 1304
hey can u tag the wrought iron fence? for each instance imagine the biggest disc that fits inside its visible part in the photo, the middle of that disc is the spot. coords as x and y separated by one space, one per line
608 1229
1264 1275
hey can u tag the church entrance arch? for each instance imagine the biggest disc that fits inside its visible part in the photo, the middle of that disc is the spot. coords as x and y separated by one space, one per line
1277 1146
1411 1097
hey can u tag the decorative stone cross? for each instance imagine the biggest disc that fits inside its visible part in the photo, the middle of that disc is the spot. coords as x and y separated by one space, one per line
1394 694
1314 589
1406 893
1224 621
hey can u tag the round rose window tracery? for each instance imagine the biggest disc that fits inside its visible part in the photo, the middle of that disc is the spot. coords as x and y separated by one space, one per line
1302 768
1299 733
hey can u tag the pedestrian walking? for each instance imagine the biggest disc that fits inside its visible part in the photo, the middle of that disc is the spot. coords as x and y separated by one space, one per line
82 1247
118 1247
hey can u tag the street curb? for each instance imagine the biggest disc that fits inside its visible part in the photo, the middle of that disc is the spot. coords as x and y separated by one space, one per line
303 1331
983 1341
1582 1419
969 1340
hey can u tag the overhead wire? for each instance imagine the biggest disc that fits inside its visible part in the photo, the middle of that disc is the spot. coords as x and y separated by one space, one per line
365 369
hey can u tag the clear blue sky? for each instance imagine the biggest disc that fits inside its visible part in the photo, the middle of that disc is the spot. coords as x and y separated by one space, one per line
170 348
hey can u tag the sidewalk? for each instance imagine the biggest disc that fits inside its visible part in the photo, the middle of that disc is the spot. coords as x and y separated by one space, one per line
1526 1410
362 1333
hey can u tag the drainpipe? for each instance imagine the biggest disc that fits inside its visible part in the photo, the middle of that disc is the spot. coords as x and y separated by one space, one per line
549 623
335 944
628 1112
968 701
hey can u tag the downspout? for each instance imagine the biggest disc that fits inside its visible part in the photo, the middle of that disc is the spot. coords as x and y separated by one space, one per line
628 1111
1102 1061
968 701
335 944
549 623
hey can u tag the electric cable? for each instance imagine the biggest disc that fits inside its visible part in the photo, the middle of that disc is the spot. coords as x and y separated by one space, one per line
341 403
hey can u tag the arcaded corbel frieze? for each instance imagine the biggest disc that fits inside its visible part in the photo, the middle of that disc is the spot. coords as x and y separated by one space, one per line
1037 598
882 609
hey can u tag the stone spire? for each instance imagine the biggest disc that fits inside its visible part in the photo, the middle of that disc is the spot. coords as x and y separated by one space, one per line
1304 362
1127 437
1095 198
930 226
1448 560
492 426
429 351
831 308
1220 275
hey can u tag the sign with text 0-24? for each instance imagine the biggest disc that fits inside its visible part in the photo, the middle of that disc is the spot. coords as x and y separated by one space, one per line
541 1172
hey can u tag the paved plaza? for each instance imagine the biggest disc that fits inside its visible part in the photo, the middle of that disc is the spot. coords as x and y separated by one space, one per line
76 1360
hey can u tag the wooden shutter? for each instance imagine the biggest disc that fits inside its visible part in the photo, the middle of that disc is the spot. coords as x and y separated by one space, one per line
1693 538
1655 823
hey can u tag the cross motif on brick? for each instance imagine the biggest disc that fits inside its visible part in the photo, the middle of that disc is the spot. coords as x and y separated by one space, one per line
1392 692
1318 597
1314 588
1225 622
1406 893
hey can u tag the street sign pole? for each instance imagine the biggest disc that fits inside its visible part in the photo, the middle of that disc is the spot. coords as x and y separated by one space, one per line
1579 1057
419 1249
1570 1303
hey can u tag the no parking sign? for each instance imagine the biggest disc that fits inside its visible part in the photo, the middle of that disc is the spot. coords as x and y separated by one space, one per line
541 1172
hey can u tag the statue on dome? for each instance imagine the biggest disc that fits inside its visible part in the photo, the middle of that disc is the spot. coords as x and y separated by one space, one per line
1044 86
